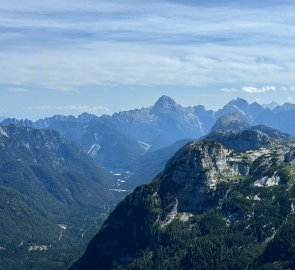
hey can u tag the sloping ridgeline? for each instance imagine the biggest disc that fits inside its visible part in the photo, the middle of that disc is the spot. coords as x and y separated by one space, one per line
211 208
53 197
116 142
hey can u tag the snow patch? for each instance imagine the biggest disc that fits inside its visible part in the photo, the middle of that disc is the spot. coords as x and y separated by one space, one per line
93 149
146 146
239 110
3 132
121 181
118 190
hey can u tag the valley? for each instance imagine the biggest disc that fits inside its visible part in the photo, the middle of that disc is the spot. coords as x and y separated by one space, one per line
63 176
147 135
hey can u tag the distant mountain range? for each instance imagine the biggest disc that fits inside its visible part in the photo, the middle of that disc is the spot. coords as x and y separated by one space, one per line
212 207
117 142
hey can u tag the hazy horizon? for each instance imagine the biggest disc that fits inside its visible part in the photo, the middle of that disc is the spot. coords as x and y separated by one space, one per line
134 108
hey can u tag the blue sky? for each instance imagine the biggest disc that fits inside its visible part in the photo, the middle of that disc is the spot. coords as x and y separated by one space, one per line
70 56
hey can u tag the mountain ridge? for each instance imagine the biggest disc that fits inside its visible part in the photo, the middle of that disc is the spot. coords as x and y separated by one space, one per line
131 134
210 208
53 197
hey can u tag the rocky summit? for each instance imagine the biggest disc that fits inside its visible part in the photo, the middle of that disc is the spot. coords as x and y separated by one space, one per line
212 207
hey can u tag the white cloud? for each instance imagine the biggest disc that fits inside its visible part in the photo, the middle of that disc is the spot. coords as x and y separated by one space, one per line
73 44
134 64
256 90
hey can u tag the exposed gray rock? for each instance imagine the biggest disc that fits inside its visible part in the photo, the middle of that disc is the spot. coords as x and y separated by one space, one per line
199 167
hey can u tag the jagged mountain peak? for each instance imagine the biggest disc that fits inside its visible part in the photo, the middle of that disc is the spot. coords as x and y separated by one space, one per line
166 99
164 104
271 105
238 105
86 117
285 107
239 101
61 117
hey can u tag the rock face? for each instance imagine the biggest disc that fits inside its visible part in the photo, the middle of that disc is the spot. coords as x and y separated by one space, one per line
196 169
207 196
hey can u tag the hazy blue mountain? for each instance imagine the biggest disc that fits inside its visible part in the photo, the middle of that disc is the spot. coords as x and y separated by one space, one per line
207 117
145 168
99 137
108 146
51 121
270 106
285 107
231 122
116 141
241 106
281 117
210 208
53 198
160 125
238 105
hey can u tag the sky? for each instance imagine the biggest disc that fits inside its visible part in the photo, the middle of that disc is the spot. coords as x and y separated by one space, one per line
102 56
